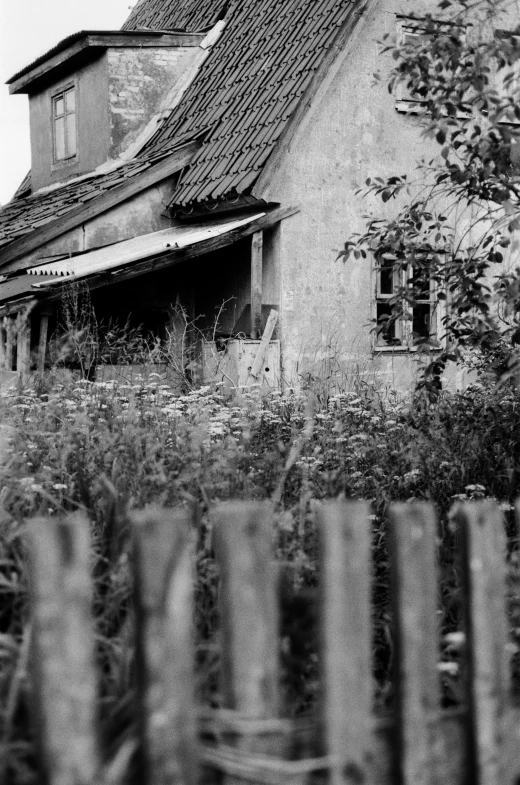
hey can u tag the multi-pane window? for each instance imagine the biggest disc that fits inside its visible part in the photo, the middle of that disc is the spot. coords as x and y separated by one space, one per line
401 323
64 124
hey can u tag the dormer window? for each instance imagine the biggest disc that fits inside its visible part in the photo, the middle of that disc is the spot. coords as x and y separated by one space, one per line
64 124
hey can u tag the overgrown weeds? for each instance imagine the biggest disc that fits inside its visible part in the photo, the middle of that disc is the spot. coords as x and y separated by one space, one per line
107 448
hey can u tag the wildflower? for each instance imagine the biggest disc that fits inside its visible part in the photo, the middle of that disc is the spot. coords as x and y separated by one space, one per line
450 668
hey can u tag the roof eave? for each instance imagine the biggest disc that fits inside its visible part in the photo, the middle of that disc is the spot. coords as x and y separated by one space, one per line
79 44
11 255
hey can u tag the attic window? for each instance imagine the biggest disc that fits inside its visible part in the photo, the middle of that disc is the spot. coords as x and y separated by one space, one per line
64 124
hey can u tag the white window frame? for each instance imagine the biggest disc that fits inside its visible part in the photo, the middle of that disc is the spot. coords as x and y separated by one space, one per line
55 97
403 326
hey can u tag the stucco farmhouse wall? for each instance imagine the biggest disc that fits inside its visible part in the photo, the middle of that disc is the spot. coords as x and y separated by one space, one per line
352 132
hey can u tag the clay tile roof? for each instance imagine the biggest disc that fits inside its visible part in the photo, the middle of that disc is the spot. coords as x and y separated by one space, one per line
248 88
189 15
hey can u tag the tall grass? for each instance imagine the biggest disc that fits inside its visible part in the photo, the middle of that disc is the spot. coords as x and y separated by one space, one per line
108 447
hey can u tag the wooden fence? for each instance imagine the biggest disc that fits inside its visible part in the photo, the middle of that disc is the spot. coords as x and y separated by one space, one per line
477 744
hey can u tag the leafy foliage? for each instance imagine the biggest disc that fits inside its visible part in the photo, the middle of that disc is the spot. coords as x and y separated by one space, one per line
458 216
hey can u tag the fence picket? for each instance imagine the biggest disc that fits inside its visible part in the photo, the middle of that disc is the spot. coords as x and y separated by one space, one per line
245 740
165 640
484 565
62 661
249 620
415 591
345 537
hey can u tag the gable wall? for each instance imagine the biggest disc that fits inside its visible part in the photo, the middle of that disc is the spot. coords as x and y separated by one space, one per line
352 133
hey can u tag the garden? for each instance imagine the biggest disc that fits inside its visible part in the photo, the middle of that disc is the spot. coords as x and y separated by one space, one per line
107 449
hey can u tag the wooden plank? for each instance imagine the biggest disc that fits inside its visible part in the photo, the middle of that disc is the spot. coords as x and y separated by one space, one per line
164 565
85 212
176 256
413 529
345 537
264 344
62 661
257 251
42 343
484 550
249 612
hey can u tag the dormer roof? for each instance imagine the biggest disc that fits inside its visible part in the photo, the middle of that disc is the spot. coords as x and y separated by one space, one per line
73 50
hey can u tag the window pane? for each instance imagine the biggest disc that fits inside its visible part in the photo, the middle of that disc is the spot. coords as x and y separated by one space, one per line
421 322
59 138
421 283
386 279
58 106
385 328
70 100
71 135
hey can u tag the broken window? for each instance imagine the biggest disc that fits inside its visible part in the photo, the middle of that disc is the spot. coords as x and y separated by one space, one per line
405 306
64 124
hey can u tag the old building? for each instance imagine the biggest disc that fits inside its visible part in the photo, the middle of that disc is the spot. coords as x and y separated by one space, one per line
208 155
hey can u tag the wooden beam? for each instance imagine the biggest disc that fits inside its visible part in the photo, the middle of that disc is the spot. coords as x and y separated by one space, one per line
257 255
85 212
42 345
175 256
9 342
23 343
2 345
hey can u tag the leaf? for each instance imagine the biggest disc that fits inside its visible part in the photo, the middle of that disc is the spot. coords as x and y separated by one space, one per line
441 136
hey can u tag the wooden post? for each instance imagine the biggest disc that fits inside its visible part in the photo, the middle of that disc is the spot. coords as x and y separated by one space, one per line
484 565
62 659
165 562
346 639
9 343
2 344
413 530
42 344
257 246
23 346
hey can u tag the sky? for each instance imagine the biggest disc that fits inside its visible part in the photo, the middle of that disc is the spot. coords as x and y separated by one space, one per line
29 28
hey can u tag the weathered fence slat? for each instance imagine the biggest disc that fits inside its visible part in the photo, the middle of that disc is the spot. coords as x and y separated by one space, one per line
346 649
62 661
415 591
249 609
165 576
248 620
484 565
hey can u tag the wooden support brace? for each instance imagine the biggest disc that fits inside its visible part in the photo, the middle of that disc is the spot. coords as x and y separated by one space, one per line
257 246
